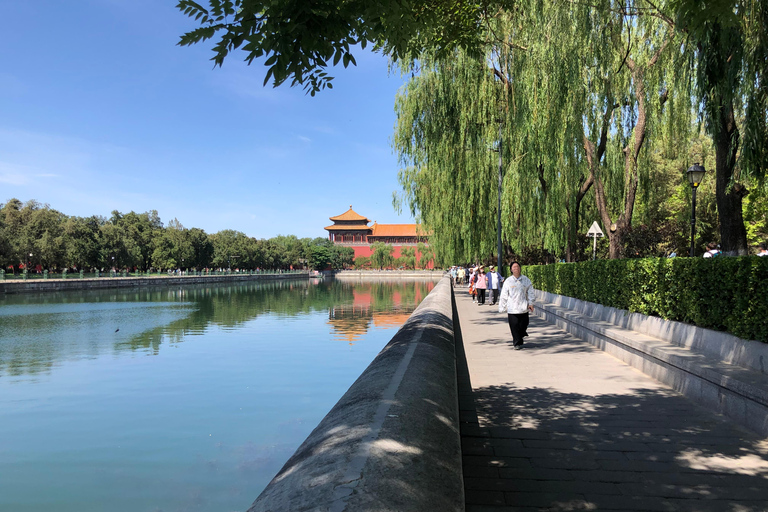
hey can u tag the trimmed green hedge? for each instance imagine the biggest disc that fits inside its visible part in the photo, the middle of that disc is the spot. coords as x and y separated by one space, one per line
726 294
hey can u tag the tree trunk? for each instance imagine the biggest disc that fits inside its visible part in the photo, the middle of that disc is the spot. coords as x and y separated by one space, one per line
733 234
617 230
594 156
573 219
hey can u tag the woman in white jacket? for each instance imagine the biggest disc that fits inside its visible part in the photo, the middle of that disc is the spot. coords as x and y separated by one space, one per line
517 301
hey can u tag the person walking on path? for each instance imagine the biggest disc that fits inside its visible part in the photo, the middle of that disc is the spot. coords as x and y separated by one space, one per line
494 284
517 301
482 284
763 249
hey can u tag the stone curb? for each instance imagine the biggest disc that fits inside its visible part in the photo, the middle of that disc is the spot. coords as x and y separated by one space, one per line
392 443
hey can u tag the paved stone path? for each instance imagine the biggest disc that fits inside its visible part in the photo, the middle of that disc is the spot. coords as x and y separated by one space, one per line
560 425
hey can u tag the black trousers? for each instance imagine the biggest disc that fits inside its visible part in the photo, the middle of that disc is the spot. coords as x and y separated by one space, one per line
495 296
518 324
481 295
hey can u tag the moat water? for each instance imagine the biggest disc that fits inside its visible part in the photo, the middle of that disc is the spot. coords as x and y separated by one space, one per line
177 399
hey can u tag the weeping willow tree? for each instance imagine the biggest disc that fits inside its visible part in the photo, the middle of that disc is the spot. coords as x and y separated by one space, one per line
577 92
545 180
634 74
447 124
454 116
727 46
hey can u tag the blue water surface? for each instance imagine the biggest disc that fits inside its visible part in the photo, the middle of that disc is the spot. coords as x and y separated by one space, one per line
181 399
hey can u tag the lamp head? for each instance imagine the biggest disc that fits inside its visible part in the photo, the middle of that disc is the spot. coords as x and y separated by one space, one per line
695 174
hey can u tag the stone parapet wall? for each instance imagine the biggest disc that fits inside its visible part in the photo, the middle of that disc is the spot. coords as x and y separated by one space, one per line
392 442
57 285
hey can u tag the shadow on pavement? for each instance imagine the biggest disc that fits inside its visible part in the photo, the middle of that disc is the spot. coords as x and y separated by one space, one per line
650 450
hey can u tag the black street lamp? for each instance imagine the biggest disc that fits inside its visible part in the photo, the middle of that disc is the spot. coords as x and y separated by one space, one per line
695 175
498 218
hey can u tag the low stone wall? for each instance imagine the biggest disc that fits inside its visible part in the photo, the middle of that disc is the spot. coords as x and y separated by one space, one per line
715 369
57 285
725 347
392 443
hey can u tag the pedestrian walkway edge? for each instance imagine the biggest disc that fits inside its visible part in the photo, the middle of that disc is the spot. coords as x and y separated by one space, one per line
739 392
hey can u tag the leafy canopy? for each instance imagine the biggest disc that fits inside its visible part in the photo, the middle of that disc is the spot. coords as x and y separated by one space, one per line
300 39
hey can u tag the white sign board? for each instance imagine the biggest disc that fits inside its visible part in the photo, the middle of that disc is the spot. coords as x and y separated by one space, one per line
594 230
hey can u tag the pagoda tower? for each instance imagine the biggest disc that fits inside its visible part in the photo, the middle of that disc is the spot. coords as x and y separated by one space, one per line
352 230
349 228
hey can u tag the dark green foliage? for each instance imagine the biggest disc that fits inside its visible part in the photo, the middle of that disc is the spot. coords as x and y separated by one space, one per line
408 258
342 257
726 294
300 40
382 256
362 262
36 235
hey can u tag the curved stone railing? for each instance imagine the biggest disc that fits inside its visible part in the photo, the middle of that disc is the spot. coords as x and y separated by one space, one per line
392 443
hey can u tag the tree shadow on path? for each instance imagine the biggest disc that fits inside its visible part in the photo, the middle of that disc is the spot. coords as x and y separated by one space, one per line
539 449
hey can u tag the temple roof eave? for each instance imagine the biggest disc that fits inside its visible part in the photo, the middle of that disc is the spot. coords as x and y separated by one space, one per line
350 215
354 227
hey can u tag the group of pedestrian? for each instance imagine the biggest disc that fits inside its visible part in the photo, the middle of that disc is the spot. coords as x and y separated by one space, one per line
482 281
713 250
514 295
459 275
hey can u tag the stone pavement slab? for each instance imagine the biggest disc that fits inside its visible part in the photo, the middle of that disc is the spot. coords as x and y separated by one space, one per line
561 425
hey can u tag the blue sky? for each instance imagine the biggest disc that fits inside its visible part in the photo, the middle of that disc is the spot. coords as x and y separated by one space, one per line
101 111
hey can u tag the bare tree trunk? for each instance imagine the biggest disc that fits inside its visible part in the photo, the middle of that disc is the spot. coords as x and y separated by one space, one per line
617 230
573 219
733 234
594 155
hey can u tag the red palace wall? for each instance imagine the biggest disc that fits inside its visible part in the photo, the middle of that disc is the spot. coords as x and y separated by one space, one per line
366 250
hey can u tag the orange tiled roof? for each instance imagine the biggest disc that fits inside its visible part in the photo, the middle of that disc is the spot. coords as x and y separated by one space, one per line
349 227
394 230
350 215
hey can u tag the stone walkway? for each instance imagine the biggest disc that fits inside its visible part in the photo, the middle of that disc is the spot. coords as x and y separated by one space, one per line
561 425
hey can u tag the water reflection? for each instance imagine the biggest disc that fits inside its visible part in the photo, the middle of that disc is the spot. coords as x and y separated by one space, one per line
40 331
379 304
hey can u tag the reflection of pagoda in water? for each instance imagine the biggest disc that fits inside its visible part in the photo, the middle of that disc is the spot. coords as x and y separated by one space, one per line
351 321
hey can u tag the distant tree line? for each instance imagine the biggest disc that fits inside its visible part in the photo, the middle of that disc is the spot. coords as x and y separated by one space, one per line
35 234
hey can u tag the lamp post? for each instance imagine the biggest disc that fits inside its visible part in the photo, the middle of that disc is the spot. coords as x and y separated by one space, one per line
498 218
695 175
